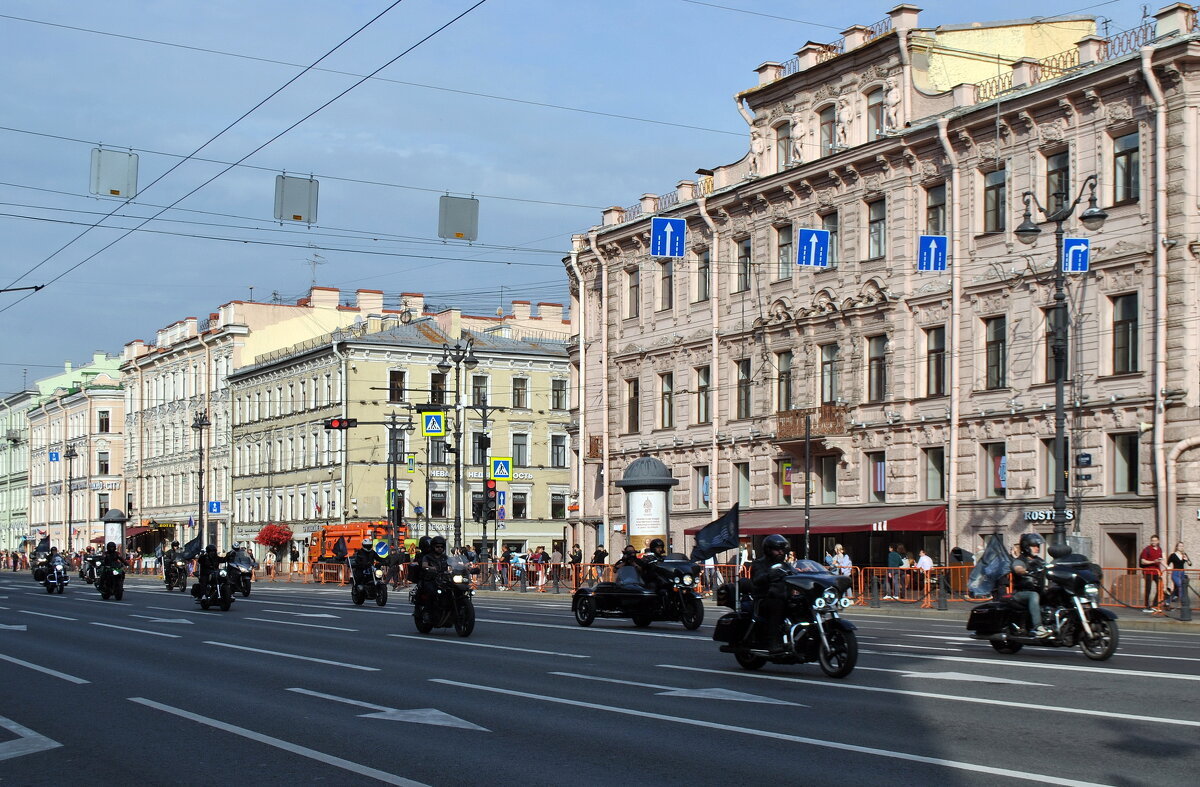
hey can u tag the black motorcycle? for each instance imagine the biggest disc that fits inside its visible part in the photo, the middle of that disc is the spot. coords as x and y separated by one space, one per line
813 629
55 576
665 590
111 582
368 583
447 602
1070 610
216 589
175 574
241 571
89 568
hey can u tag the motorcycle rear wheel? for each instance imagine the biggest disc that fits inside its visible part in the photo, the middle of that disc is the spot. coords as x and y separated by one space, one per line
49 587
464 622
381 595
205 603
691 613
423 620
749 661
1003 646
839 660
585 611
1104 645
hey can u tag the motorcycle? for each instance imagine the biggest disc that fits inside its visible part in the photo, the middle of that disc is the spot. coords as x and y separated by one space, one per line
1070 610
89 568
241 571
813 629
448 603
216 589
368 583
175 575
671 595
111 582
55 576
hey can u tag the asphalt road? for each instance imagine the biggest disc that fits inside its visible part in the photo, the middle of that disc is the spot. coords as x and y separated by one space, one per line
297 685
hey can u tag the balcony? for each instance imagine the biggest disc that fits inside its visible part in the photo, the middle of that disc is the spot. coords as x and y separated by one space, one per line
828 419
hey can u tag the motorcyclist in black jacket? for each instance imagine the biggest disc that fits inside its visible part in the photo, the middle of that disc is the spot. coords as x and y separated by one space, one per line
1029 579
432 563
365 560
209 562
111 556
769 589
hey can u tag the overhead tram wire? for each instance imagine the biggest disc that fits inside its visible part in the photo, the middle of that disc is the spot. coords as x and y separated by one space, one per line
257 149
212 139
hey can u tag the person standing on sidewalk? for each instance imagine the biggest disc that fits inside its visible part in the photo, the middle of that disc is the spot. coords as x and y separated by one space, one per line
1177 562
1151 562
895 561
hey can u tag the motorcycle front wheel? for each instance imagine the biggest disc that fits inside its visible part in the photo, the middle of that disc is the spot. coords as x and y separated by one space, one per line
49 587
641 621
1006 647
1104 644
226 602
747 660
585 611
205 603
839 660
119 593
357 596
381 595
464 621
245 588
423 620
61 588
691 613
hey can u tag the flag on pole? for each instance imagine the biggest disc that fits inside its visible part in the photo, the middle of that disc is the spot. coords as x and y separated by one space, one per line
192 549
717 536
43 545
339 549
989 570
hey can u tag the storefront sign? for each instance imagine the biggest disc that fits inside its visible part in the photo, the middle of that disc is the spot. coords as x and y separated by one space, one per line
1046 516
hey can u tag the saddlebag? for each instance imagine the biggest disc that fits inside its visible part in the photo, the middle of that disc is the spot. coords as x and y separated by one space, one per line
731 627
987 618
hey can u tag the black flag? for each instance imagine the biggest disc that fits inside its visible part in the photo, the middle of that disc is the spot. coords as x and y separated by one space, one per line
990 568
192 549
43 545
339 549
717 536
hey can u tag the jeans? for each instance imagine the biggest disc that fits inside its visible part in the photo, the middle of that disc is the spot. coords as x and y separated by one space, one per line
1176 585
1031 600
1156 579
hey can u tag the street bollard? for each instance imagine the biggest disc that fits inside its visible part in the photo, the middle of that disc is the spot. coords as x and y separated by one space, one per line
941 596
874 599
1185 601
524 579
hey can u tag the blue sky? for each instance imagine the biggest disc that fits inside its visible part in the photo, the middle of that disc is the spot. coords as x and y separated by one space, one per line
164 77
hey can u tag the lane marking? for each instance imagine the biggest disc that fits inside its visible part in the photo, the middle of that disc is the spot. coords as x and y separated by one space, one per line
292 656
948 697
153 619
44 670
302 614
139 631
588 628
964 676
825 744
27 742
485 645
1065 667
676 691
294 623
107 602
415 716
303 751
915 647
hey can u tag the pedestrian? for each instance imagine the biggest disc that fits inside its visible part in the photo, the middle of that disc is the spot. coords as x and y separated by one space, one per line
539 561
894 561
575 560
1151 562
402 561
1177 561
505 568
841 561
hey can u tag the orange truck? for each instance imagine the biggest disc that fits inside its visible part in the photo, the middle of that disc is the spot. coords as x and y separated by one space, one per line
325 539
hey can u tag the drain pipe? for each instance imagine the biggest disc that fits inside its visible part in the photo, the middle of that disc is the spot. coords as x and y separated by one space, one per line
1161 467
580 314
714 378
602 537
955 315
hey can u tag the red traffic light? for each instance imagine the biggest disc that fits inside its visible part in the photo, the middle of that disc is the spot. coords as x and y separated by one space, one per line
490 486
340 423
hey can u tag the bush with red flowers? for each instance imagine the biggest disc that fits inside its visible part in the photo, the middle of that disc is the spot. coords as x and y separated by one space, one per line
274 535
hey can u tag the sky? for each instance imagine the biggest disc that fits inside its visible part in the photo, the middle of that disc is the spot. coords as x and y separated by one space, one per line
547 111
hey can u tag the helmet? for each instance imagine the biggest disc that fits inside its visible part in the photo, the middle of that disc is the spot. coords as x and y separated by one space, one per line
53 550
366 542
1030 540
657 544
175 543
211 549
774 542
438 541
423 544
112 546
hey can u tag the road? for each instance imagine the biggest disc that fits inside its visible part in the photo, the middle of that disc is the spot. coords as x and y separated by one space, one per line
296 685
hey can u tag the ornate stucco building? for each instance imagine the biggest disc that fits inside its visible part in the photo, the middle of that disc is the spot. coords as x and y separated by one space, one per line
929 393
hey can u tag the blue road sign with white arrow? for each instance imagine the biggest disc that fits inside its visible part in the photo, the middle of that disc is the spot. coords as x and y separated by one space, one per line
667 237
931 252
814 249
54 456
214 506
1076 252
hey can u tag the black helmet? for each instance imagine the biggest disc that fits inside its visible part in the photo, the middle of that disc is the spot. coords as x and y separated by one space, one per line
174 543
438 541
53 550
112 546
775 541
657 544
211 549
1030 540
423 544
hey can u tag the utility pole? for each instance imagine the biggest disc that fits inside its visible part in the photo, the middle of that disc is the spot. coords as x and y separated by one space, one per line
486 440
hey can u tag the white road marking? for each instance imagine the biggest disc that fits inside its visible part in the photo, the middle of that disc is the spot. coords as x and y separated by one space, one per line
916 647
963 676
675 691
1028 665
485 645
139 631
303 751
184 611
45 615
107 602
301 614
942 637
153 619
5 627
588 628
949 697
294 623
825 744
292 656
415 716
27 742
44 670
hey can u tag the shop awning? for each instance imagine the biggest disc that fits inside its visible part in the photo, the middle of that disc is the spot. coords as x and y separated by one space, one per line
843 519
130 532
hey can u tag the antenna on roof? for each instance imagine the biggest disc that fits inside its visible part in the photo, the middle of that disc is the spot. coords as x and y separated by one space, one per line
316 260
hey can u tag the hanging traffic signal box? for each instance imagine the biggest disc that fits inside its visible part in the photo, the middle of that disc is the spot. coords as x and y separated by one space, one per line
341 423
490 499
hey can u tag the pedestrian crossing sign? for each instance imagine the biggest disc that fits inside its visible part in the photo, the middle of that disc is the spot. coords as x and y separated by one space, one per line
502 468
433 424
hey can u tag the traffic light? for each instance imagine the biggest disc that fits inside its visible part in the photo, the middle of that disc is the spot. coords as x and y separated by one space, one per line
341 423
490 498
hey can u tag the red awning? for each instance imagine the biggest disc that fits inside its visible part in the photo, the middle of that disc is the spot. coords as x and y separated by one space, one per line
844 519
130 532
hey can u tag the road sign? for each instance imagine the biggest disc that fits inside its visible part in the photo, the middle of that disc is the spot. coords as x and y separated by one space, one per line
501 497
502 468
54 456
931 254
382 548
500 515
411 461
667 237
214 506
433 424
814 249
1076 253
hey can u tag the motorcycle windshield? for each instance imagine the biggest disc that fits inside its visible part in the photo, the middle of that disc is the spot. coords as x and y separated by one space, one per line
809 567
628 575
458 564
244 561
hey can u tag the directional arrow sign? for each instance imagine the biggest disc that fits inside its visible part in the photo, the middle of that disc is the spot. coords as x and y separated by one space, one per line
1076 253
301 614
27 742
667 237
813 249
11 628
416 716
964 676
162 620
932 252
674 691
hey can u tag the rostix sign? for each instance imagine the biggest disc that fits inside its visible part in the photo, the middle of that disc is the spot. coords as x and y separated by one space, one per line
1046 515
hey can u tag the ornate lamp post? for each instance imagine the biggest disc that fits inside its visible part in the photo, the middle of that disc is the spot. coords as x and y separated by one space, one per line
200 423
459 355
1093 219
70 454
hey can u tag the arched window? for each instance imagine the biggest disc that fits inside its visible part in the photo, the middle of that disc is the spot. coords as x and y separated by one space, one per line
875 125
783 147
827 119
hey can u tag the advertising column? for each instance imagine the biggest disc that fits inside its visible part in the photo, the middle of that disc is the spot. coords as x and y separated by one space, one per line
647 483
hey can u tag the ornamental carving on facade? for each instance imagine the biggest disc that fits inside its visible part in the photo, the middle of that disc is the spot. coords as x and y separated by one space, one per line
1119 112
1054 131
873 183
990 304
988 150
825 198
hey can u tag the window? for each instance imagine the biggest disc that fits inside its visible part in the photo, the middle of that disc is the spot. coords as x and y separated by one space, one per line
783 147
632 395
828 466
827 120
437 388
877 368
1126 169
995 470
741 475
1048 316
876 229
520 393
830 362
520 505
633 292
703 275
666 398
102 503
558 450
996 352
396 444
783 249
479 386
783 385
1125 334
743 265
874 114
666 284
558 506
935 473
480 443
1125 463
993 201
104 420
935 210
703 415
829 223
437 504
558 394
437 451
102 463
743 388
935 361
1058 181
701 495
520 450
877 476
395 385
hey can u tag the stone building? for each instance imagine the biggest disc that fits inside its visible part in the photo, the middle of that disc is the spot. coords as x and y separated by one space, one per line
929 393
14 469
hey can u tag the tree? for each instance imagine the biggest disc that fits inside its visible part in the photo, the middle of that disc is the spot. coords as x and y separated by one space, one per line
274 536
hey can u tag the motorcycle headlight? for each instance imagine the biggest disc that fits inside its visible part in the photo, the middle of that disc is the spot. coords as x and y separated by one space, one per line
223 573
819 603
688 579
830 595
458 579
1091 590
845 602
179 562
378 573
116 571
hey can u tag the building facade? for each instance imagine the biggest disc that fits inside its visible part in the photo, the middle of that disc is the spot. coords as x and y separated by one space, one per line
928 394
14 469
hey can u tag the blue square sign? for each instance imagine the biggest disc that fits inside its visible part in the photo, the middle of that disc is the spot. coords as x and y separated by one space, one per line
667 237
931 252
813 251
1076 253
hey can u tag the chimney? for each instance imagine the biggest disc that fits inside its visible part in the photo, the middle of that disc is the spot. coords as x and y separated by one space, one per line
904 16
855 36
808 54
414 302
1022 71
1175 18
520 310
550 312
370 301
324 297
768 72
965 95
649 204
612 215
1090 49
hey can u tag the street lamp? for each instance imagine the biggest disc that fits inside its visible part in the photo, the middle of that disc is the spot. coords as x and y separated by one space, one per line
1028 232
460 355
199 423
69 454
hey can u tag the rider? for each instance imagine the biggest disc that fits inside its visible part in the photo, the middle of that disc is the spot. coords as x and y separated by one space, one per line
170 555
432 563
111 556
365 559
656 550
629 557
1029 577
208 563
53 556
769 588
